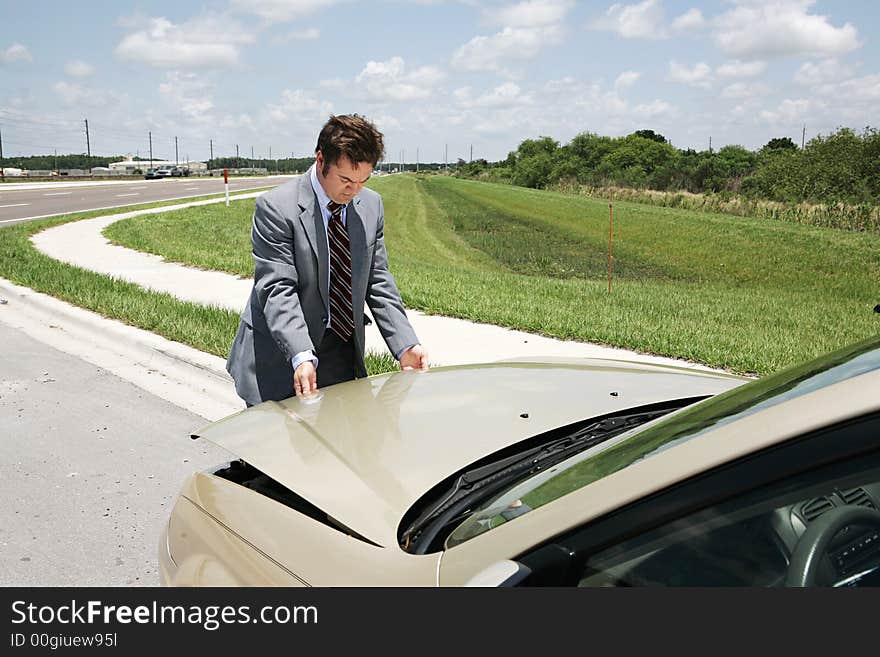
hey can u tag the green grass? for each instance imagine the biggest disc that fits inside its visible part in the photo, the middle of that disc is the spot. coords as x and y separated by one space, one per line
208 329
749 295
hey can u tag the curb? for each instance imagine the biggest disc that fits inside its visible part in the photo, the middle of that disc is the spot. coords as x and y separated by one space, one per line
182 375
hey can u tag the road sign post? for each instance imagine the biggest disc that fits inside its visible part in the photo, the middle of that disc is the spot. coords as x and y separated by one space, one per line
226 184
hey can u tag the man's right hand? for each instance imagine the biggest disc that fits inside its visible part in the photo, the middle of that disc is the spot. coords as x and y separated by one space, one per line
305 379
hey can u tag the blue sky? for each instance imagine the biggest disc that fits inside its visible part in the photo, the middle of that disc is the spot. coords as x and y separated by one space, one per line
433 74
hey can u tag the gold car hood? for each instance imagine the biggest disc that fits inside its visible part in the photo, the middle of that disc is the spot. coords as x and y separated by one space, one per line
364 451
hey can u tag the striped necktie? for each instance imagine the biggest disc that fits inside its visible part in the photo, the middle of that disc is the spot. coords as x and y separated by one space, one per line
341 315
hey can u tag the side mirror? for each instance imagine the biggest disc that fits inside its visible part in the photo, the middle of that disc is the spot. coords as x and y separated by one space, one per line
500 574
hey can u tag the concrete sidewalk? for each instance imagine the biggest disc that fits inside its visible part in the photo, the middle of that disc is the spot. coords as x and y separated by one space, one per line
198 381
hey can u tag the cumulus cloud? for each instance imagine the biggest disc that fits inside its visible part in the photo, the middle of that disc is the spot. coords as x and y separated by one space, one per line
626 79
15 52
698 76
188 94
275 11
492 53
527 27
78 69
533 13
689 21
815 74
390 81
205 42
645 20
508 94
788 111
744 91
738 69
653 109
300 107
779 28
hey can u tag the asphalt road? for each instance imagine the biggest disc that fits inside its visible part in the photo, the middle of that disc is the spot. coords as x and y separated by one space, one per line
18 205
89 467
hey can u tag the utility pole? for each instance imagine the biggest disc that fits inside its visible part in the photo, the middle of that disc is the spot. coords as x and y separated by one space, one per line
237 162
472 154
176 159
56 159
88 145
446 157
417 160
211 143
803 136
710 144
1 153
150 133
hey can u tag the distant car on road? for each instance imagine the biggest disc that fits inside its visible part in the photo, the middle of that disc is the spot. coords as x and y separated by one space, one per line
152 174
179 171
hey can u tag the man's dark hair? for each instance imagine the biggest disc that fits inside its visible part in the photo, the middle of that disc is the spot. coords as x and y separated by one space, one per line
351 136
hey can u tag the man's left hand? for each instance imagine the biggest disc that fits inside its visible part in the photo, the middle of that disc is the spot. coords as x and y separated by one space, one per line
414 358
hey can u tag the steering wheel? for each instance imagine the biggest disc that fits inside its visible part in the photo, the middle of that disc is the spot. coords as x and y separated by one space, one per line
811 548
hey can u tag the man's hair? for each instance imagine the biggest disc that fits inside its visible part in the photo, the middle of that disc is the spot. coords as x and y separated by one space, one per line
351 136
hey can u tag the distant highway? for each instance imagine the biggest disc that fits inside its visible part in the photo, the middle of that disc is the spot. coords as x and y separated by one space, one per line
17 205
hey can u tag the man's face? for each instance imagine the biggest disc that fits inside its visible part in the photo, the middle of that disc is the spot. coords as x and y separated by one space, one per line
344 179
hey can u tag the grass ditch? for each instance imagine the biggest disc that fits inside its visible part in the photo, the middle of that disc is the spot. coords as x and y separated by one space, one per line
745 294
208 329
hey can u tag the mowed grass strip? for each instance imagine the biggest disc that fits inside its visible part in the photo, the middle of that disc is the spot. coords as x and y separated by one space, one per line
748 295
208 329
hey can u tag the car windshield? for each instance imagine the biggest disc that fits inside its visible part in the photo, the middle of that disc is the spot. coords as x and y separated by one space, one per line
677 427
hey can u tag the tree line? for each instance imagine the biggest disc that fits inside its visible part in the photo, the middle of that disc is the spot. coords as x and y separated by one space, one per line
842 167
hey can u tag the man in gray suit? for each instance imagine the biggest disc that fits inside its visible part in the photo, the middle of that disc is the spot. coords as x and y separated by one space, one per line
319 255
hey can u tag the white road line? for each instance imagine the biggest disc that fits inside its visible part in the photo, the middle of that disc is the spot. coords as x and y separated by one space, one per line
132 194
14 205
139 187
59 194
192 187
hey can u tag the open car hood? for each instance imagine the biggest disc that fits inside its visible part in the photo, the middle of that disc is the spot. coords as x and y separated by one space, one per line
364 451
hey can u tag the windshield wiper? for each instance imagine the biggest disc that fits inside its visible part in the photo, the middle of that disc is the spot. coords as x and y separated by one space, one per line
470 486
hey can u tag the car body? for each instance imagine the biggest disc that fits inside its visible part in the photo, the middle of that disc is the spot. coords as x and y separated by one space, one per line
553 473
179 172
152 174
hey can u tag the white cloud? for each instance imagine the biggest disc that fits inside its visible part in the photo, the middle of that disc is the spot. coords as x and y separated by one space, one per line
492 53
390 81
788 111
299 107
188 94
78 69
505 95
645 20
308 34
282 10
205 42
532 13
690 20
71 94
744 91
862 90
738 69
15 52
527 27
652 109
821 73
698 76
626 79
780 28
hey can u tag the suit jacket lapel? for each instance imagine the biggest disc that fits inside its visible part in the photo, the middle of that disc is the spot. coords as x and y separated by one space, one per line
358 241
313 224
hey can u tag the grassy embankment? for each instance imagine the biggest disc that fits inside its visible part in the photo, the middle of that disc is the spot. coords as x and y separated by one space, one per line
749 295
208 329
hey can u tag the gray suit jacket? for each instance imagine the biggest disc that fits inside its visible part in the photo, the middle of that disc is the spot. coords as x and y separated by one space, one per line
288 307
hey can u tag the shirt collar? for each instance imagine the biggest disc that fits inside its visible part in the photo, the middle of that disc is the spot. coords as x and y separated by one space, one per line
323 199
